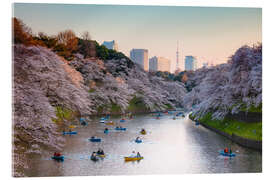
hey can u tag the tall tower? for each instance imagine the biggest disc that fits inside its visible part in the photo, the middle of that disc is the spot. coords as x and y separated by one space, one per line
177 69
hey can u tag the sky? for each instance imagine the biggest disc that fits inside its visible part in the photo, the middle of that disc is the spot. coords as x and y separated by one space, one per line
211 34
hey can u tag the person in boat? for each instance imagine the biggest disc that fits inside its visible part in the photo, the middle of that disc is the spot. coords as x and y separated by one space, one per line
230 151
138 139
106 129
94 156
133 154
138 154
226 150
100 151
56 154
143 131
93 137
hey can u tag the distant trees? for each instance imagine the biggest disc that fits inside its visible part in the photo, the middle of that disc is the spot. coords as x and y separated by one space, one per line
22 34
49 41
85 46
67 43
228 88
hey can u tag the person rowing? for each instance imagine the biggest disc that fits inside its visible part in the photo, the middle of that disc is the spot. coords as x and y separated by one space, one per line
133 154
143 131
100 152
94 156
56 154
226 150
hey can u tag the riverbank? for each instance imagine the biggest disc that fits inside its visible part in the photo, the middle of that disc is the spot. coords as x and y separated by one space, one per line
243 133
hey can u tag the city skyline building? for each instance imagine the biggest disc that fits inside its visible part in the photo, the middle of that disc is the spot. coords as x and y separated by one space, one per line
177 68
140 56
190 63
111 45
159 64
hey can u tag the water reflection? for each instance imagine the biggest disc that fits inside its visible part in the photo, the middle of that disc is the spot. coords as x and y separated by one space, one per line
169 147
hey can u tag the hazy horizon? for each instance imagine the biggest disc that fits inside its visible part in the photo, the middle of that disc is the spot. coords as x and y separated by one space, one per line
212 34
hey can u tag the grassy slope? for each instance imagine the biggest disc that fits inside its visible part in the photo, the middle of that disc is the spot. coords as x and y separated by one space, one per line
63 114
246 130
137 105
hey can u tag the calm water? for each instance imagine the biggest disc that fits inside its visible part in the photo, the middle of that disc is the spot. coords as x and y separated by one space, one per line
170 147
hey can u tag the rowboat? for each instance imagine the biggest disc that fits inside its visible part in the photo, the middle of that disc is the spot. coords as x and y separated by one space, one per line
221 152
95 139
143 132
83 123
71 132
58 158
110 123
106 131
133 158
72 126
138 141
120 129
101 155
94 158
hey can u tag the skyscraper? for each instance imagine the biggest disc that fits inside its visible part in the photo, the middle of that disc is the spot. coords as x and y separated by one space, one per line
140 56
159 64
111 45
177 59
190 63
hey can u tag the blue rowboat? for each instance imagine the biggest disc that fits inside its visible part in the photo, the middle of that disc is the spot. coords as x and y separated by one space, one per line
58 158
94 158
138 141
82 119
178 114
122 120
83 123
95 139
120 129
221 152
72 132
105 118
106 131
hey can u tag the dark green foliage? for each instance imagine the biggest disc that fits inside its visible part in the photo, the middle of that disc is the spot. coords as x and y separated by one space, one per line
136 104
48 41
115 55
166 75
102 52
87 48
109 54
